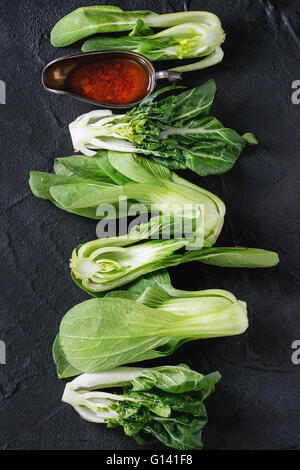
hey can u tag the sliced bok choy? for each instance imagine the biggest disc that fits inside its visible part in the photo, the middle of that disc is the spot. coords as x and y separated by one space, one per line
108 263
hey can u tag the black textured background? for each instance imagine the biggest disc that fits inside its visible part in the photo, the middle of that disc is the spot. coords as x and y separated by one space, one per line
256 405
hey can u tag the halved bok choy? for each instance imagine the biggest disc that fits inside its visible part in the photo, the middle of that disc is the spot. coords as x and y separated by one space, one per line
108 263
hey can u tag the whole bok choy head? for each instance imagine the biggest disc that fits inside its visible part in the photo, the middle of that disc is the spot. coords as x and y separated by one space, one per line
108 263
175 131
83 185
163 403
149 320
183 41
86 21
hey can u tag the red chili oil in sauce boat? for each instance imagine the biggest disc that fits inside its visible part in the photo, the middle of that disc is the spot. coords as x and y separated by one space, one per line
115 79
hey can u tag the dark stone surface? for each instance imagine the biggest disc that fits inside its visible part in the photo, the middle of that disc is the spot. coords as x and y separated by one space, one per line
256 405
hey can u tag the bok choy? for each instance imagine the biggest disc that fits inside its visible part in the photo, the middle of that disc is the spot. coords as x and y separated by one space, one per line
108 263
86 21
154 404
83 184
176 131
184 41
104 333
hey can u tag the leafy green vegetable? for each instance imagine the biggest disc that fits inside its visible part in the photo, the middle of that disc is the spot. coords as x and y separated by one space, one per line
99 266
82 184
105 264
64 369
155 290
233 257
83 167
175 131
184 41
87 21
208 313
103 333
165 403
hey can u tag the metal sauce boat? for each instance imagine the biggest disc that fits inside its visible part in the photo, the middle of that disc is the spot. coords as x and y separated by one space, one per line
55 74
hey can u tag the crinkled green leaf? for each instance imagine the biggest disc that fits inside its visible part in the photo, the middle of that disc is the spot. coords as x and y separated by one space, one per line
175 380
179 432
154 414
175 131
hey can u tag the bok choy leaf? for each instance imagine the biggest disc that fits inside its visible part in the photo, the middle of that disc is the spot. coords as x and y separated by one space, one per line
162 403
175 131
82 184
104 333
86 21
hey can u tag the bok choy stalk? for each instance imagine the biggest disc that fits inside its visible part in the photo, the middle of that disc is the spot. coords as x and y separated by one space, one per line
184 41
175 131
108 263
82 184
86 21
104 333
155 290
159 404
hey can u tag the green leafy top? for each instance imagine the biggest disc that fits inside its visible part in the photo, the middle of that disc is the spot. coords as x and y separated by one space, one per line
164 403
83 185
173 379
175 131
86 21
